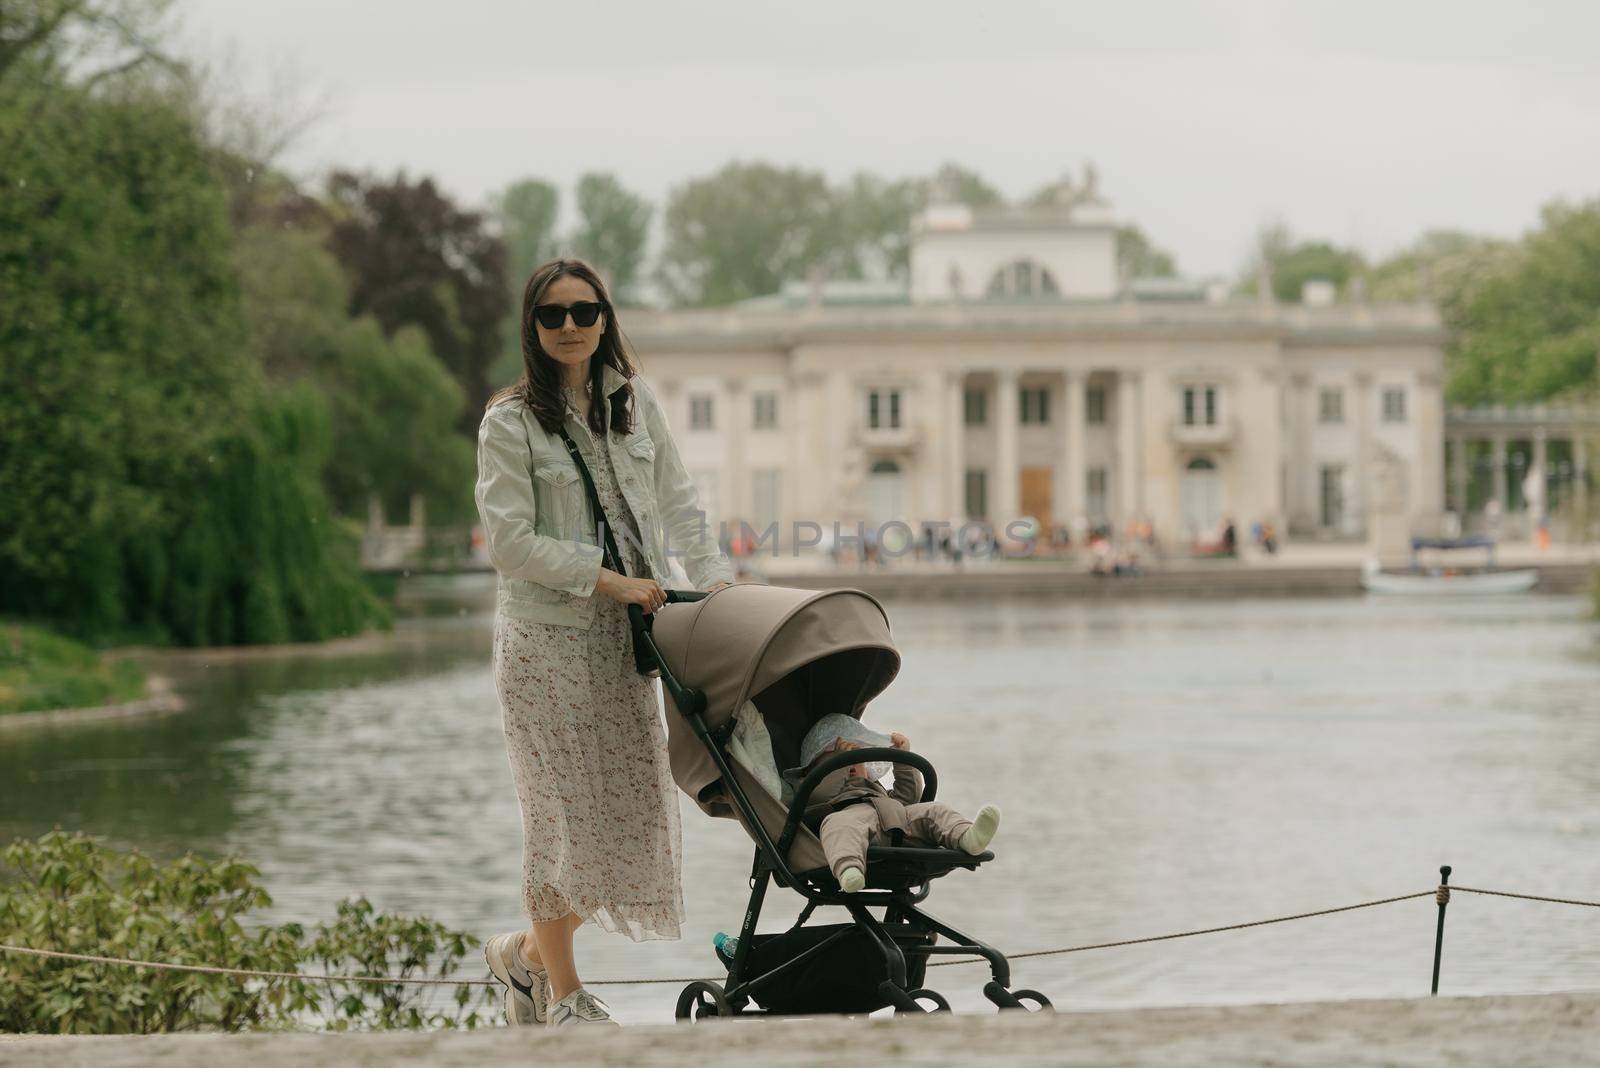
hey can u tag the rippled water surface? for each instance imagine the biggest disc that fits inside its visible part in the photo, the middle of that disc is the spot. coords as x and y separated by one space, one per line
1161 766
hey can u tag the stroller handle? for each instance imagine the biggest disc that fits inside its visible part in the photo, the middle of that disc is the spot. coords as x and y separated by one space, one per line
835 761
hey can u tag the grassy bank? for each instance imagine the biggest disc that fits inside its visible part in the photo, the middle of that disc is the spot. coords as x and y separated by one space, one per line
41 670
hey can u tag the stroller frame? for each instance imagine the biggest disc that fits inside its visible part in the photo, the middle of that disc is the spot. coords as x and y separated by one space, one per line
905 930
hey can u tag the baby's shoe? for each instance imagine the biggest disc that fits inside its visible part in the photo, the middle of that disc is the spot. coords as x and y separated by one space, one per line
975 839
851 880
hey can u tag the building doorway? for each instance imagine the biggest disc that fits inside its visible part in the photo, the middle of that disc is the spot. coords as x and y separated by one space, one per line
886 493
1201 492
1035 495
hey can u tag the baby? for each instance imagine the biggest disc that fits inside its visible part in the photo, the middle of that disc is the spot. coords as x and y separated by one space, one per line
860 812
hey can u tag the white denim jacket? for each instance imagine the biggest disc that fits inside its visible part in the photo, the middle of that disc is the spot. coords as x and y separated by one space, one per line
535 511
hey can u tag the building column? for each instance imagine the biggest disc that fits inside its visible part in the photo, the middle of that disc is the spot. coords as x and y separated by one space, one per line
1301 488
1499 474
955 455
1005 479
1580 483
1073 384
735 496
1130 486
1363 447
1541 456
1459 473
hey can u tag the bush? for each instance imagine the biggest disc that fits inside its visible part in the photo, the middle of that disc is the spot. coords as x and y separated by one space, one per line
40 670
70 893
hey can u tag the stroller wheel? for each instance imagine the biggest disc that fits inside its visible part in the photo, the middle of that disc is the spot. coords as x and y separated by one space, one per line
701 999
924 994
1040 1002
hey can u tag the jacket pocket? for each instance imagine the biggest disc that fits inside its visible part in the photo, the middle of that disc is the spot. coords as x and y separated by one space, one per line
640 447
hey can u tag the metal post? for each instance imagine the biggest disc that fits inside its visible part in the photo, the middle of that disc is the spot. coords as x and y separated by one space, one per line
1443 897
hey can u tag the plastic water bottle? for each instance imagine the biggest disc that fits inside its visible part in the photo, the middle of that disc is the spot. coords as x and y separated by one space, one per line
725 944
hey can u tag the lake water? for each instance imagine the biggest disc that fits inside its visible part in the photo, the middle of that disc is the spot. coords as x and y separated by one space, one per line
1161 766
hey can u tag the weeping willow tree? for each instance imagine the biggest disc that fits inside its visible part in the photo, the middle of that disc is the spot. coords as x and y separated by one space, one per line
154 485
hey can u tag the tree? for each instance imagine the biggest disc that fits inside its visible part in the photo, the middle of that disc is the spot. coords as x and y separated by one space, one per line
1138 258
745 230
1293 263
1527 322
393 406
875 219
414 258
965 186
612 228
526 216
526 213
152 484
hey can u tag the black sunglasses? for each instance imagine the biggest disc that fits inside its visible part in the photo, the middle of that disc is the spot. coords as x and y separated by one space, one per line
554 316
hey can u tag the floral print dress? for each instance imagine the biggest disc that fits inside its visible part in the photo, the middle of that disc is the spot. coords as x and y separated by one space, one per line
588 755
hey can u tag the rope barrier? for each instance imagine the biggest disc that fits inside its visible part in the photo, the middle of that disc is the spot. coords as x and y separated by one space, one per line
1524 897
1202 931
1441 894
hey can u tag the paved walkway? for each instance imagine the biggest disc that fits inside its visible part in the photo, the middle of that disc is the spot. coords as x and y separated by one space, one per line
1538 1030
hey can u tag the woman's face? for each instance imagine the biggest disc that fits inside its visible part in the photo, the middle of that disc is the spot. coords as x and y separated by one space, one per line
570 343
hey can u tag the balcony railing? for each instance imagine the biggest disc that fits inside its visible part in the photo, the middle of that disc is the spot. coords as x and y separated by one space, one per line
1211 435
903 436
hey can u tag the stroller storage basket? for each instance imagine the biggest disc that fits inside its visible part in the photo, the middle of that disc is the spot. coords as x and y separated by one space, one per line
844 977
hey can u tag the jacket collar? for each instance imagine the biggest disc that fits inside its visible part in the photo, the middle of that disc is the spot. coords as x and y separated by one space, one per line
611 380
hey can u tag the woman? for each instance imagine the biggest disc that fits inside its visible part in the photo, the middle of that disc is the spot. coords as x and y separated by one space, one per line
587 748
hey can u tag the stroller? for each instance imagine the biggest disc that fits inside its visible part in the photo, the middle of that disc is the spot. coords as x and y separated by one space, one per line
797 655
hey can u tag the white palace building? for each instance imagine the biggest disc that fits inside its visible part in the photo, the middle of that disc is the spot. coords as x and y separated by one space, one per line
1016 374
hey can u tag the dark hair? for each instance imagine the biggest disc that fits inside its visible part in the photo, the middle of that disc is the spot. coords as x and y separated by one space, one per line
540 385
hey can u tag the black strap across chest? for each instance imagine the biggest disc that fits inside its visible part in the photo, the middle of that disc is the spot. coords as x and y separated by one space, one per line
609 543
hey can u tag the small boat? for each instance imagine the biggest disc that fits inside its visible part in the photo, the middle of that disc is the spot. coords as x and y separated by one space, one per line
1440 580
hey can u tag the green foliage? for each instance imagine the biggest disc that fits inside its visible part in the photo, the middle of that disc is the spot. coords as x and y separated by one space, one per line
415 258
1138 258
875 224
153 485
745 230
1293 263
612 227
526 212
69 893
363 941
1527 321
967 186
392 405
41 670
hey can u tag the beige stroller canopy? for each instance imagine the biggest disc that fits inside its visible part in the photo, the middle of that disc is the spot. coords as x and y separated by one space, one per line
798 654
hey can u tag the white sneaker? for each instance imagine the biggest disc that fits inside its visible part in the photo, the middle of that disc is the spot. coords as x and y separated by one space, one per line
580 1007
977 837
851 880
527 993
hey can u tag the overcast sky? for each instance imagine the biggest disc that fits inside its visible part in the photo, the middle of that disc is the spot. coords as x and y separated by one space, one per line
1358 121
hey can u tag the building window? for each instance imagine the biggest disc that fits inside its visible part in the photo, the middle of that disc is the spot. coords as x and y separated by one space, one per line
976 407
1200 406
883 409
700 411
1330 405
1094 405
1332 478
764 415
765 485
1035 405
1095 499
1394 405
977 493
706 485
1024 278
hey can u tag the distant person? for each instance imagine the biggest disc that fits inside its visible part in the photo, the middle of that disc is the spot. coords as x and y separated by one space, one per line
1230 539
600 836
